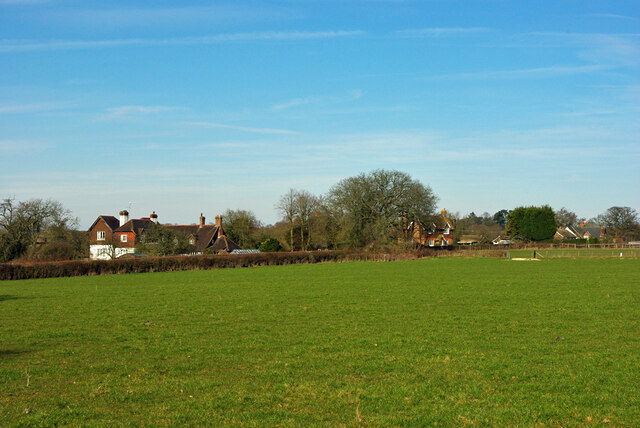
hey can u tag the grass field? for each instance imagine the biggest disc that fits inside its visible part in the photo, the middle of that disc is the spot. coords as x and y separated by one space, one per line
579 253
446 341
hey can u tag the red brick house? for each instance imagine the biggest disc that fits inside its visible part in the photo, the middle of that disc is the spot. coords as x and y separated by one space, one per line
436 232
112 238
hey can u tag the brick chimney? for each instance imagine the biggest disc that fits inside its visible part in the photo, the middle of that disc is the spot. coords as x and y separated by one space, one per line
201 220
154 217
444 213
124 217
219 220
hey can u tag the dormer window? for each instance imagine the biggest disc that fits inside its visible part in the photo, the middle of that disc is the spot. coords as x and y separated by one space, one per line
192 241
123 238
102 235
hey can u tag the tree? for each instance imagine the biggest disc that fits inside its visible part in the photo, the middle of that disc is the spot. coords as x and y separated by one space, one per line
289 210
270 245
371 207
305 204
241 227
161 241
531 223
622 222
501 217
565 218
21 223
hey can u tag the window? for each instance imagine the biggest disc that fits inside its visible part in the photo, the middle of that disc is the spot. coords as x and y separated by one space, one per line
102 235
123 238
192 241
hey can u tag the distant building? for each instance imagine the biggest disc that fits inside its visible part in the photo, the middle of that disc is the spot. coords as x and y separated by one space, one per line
469 240
502 240
436 232
111 238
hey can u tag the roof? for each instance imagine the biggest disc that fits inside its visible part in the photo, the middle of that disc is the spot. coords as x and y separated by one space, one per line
203 235
594 232
224 244
469 239
566 234
111 222
136 226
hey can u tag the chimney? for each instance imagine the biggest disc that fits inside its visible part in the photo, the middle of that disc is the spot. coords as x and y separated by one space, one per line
219 220
124 217
154 217
201 220
582 224
444 212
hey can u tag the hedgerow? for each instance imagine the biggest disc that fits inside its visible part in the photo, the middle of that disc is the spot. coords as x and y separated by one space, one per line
11 271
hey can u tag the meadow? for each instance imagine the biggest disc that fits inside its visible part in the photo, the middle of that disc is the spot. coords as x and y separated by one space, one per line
446 341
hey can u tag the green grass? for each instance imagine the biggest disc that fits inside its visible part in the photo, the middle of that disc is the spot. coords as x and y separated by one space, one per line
576 253
446 341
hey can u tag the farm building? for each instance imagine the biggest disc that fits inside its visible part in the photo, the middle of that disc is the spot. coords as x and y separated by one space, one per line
112 238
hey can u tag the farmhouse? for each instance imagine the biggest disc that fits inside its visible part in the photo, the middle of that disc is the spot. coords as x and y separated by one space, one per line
111 238
436 232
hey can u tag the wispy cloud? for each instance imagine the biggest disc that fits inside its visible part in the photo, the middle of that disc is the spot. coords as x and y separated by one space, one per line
613 16
602 48
536 72
12 146
25 46
21 2
296 102
28 108
122 112
242 128
441 31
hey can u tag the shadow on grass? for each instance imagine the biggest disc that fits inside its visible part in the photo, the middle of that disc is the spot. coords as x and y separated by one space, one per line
9 353
4 297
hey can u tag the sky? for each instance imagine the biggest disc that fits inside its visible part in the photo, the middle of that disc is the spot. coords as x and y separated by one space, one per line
189 107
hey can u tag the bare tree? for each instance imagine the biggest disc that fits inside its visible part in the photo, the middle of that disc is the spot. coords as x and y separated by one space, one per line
305 204
622 221
373 205
288 208
21 223
565 218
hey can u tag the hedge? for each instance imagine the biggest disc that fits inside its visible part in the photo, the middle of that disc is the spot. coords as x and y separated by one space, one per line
13 271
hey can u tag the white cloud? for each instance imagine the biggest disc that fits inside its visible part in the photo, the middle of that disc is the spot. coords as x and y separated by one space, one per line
123 112
28 108
12 146
26 46
551 71
441 31
296 102
242 128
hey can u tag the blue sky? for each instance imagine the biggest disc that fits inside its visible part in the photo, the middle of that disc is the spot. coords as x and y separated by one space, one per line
188 107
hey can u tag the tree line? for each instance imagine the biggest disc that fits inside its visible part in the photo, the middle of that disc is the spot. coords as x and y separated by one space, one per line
368 210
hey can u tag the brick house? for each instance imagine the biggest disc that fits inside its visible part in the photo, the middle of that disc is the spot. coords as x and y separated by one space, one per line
436 232
111 238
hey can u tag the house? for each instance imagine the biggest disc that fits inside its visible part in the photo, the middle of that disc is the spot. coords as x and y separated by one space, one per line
564 233
592 232
469 240
500 240
111 238
436 232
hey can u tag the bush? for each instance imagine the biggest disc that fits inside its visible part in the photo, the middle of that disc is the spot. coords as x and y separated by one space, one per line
271 245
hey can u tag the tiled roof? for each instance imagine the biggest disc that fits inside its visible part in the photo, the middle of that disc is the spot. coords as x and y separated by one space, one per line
136 226
203 235
109 220
224 243
594 232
